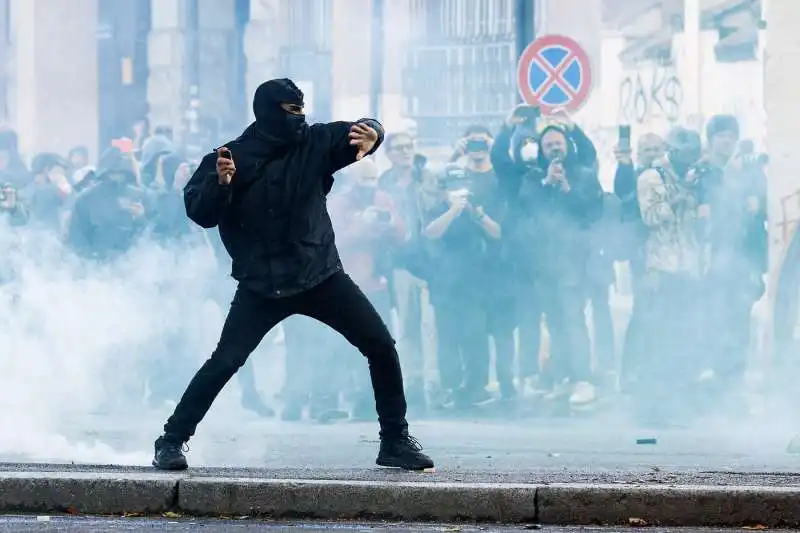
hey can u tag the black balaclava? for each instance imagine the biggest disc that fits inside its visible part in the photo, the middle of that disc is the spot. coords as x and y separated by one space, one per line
271 119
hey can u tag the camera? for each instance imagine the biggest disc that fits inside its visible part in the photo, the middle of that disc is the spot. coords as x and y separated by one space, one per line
4 190
477 145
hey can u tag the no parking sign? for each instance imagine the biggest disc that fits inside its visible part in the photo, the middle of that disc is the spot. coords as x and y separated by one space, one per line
554 72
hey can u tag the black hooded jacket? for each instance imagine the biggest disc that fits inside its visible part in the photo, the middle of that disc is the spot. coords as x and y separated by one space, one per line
549 228
507 161
273 218
100 226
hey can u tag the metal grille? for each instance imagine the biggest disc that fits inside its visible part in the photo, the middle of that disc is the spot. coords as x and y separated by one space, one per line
308 24
460 65
306 51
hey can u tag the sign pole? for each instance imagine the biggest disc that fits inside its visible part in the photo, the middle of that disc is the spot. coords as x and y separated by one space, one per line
376 59
524 13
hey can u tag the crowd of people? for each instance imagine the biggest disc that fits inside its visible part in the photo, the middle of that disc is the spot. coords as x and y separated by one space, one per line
515 234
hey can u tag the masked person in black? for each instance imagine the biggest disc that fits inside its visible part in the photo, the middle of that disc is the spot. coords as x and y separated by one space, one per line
266 191
108 217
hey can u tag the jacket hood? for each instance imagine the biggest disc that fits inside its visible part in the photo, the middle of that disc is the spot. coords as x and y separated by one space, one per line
155 146
113 161
274 124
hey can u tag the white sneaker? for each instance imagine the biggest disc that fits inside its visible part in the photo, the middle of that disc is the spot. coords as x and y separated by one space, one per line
559 391
583 393
532 388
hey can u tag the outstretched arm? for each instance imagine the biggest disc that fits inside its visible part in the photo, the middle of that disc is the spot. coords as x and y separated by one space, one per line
351 141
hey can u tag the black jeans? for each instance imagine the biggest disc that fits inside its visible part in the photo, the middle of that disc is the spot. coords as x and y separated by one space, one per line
570 351
604 350
337 302
501 320
462 348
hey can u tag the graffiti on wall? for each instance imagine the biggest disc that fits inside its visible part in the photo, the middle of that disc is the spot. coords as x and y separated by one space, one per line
649 94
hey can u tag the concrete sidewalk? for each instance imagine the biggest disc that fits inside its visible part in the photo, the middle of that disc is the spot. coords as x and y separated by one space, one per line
411 497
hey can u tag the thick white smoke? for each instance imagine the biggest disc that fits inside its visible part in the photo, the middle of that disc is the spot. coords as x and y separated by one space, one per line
78 339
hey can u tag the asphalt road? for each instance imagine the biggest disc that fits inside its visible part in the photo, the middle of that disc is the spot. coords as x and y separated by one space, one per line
599 450
32 524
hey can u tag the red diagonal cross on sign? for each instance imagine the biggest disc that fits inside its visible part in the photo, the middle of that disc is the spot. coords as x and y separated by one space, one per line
555 74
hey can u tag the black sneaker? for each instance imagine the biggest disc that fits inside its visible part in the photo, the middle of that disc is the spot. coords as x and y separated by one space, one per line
403 452
169 455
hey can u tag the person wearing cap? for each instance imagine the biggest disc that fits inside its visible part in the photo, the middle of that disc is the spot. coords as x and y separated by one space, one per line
487 190
559 201
461 230
670 196
735 191
266 192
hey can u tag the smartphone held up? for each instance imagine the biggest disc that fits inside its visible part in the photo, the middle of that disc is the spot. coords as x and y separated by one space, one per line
624 136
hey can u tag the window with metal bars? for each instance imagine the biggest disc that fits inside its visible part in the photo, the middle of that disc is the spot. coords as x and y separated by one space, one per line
306 50
460 65
308 25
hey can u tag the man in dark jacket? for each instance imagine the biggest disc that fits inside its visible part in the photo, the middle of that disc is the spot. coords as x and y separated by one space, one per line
108 217
548 228
270 207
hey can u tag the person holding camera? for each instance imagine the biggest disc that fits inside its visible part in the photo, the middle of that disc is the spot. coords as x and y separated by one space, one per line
560 199
633 234
460 229
110 217
12 210
670 196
